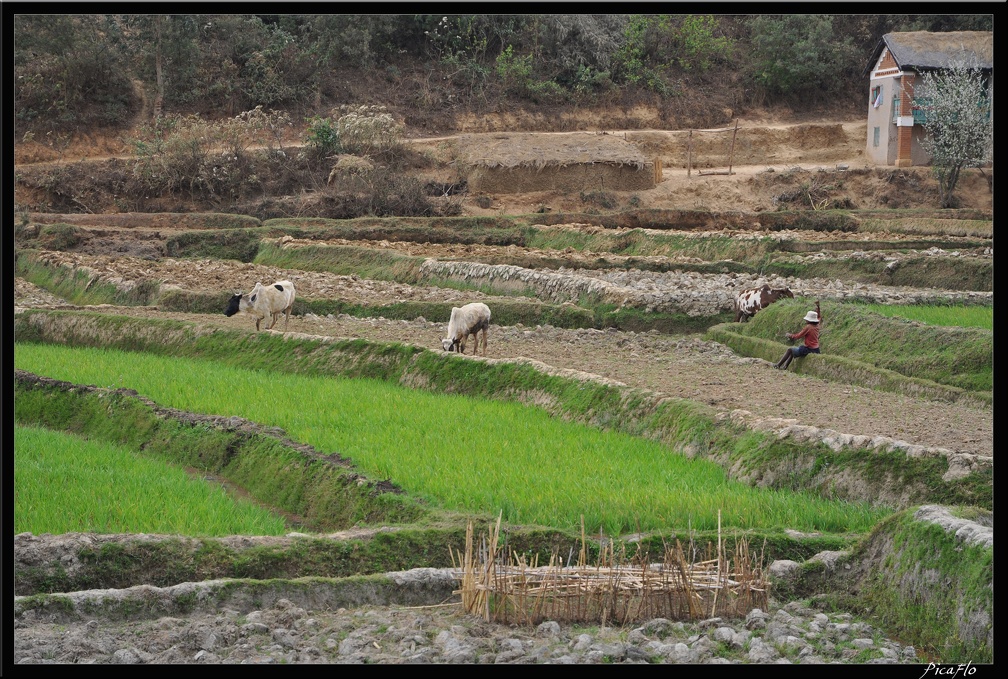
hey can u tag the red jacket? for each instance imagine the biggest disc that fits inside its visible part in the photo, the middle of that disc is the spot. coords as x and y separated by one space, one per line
811 334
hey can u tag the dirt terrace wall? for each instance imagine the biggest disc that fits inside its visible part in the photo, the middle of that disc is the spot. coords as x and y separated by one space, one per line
753 145
569 178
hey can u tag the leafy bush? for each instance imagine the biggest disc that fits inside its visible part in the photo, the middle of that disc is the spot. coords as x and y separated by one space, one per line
515 71
652 45
321 137
637 59
588 81
698 47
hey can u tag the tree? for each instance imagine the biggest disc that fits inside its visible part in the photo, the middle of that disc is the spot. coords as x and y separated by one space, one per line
793 55
164 51
69 71
957 121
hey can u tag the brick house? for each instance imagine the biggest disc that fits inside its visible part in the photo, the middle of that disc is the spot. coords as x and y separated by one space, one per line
894 126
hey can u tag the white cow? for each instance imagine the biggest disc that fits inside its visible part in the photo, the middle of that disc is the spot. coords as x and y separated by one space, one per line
465 321
264 300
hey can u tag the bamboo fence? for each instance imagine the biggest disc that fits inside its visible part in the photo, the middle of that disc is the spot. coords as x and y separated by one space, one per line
511 589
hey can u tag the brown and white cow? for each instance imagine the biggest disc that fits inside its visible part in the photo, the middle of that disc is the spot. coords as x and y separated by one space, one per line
748 302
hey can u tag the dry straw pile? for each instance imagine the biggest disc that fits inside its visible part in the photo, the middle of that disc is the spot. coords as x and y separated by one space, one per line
508 589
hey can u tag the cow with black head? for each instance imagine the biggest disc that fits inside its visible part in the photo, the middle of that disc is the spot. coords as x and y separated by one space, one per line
265 300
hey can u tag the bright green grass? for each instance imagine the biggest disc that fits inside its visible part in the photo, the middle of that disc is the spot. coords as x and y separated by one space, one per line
962 316
462 453
63 484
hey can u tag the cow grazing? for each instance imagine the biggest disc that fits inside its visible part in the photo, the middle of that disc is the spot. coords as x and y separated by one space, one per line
748 302
466 321
264 300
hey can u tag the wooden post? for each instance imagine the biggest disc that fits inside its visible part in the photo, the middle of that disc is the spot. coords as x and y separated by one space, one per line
731 153
689 154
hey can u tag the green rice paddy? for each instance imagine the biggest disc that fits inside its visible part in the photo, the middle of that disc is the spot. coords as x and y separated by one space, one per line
465 454
64 483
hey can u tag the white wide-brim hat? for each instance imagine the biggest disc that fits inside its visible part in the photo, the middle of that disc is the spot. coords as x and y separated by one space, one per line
812 317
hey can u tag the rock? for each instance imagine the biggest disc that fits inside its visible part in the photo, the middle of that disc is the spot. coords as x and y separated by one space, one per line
760 652
548 630
783 569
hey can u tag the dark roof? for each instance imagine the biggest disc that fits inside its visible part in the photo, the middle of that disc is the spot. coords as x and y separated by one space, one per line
924 50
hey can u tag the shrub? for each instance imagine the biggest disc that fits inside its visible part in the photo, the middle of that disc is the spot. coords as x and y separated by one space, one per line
209 159
515 71
368 129
698 47
59 236
603 199
321 138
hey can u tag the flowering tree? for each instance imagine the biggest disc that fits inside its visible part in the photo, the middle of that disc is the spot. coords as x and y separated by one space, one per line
960 134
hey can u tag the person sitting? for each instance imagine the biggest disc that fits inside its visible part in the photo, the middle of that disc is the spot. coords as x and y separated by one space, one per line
810 335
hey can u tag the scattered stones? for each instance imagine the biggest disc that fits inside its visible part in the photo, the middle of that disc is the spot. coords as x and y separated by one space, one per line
445 635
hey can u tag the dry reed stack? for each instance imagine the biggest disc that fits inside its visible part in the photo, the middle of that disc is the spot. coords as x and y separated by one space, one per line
509 589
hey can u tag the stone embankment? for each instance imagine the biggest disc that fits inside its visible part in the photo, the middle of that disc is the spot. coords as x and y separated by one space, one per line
694 294
959 464
301 625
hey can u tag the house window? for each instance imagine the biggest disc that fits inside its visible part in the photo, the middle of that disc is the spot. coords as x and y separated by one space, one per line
876 97
875 137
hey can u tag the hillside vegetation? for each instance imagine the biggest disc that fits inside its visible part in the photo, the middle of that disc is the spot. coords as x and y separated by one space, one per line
78 72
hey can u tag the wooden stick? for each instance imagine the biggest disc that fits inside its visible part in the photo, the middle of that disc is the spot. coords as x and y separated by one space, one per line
689 154
731 154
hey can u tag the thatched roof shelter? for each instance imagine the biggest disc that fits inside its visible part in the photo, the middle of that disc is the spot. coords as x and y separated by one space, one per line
519 162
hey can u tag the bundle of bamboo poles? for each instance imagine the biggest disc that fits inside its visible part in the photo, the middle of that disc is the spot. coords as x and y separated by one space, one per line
511 589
